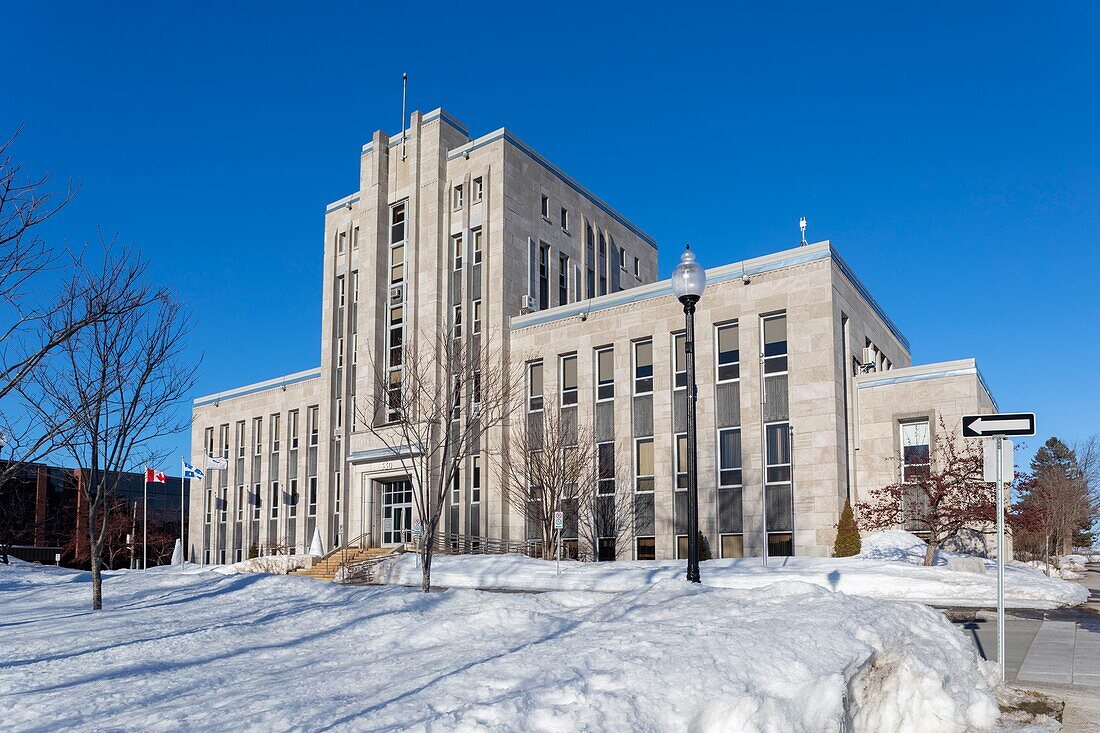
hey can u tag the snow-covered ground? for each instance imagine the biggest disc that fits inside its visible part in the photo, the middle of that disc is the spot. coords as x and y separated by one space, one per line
888 568
201 651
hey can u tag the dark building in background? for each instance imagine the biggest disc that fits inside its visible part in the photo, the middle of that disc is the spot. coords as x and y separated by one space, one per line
43 515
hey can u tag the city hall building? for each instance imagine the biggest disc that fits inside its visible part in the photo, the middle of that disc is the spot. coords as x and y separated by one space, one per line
807 395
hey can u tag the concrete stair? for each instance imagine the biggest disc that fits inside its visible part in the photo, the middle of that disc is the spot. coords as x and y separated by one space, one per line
325 568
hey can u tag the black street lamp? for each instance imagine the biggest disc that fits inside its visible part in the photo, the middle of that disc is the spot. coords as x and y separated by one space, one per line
688 281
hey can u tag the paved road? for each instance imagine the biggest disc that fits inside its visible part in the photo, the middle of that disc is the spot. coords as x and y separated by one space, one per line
1054 651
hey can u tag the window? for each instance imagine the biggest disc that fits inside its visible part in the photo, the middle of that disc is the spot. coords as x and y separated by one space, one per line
313 426
223 505
637 268
257 501
729 355
475 479
397 264
456 248
565 220
544 206
606 463
397 223
340 242
643 367
476 235
274 503
729 457
534 386
475 388
605 374
225 440
643 465
590 261
293 498
456 485
478 191
275 433
603 265
456 392
544 275
292 426
775 343
476 324
241 449
647 548
355 238
778 466
679 361
915 453
458 196
311 508
568 371
208 440
240 502
681 461
622 260
456 321
257 436
563 279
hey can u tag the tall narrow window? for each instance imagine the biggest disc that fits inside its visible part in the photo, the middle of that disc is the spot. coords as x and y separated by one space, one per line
314 428
273 505
915 453
456 249
590 260
292 427
643 465
643 367
292 500
275 433
478 192
729 457
544 206
397 223
241 440
240 503
311 507
534 386
637 268
475 320
355 238
458 199
257 501
679 361
775 344
475 479
568 366
605 455
605 374
603 265
340 242
257 436
564 219
476 235
456 321
225 440
563 279
544 275
395 331
728 352
681 461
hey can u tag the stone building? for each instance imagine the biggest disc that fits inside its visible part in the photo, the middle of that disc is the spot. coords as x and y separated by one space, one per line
806 391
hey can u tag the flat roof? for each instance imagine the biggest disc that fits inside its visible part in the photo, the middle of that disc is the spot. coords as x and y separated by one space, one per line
276 383
922 372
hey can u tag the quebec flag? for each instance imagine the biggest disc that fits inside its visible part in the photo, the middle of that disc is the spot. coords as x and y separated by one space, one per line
190 471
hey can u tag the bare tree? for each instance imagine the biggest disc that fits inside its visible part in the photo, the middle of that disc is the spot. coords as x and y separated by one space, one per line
117 383
552 463
435 397
950 497
46 298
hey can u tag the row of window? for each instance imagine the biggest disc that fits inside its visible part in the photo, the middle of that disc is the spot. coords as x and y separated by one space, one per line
274 434
477 193
458 248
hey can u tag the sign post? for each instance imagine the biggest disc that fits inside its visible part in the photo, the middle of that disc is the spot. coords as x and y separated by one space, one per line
997 427
559 524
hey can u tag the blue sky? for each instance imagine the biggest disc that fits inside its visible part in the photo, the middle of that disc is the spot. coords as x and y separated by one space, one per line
949 151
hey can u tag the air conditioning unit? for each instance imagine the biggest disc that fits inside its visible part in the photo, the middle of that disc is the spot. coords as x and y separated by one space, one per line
397 294
526 304
869 361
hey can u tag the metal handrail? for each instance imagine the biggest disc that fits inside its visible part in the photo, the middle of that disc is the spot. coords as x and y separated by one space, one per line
346 546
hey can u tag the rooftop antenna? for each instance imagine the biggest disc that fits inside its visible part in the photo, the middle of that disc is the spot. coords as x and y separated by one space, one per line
404 88
802 226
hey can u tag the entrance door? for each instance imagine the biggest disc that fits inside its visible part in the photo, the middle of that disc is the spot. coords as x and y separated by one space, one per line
397 509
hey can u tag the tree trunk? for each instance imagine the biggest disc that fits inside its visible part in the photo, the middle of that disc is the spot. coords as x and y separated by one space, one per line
930 553
97 581
426 568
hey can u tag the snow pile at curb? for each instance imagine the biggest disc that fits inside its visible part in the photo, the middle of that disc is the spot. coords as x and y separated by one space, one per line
274 564
262 652
1025 587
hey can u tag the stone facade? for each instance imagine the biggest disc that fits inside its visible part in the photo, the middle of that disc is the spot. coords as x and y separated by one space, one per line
488 226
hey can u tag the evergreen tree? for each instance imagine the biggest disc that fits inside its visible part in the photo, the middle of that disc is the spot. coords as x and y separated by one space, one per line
704 547
1057 492
847 534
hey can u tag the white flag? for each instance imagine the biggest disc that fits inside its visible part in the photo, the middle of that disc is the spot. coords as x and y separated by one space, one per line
215 462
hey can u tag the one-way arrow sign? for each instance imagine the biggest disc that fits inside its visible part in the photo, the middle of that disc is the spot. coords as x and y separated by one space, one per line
978 426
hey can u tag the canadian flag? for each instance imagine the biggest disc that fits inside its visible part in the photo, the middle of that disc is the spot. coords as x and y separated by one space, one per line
155 477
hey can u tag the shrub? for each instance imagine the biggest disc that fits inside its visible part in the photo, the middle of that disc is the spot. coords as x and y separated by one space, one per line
704 547
847 534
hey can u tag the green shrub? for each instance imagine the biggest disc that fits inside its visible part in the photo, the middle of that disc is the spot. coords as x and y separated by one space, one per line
704 547
847 534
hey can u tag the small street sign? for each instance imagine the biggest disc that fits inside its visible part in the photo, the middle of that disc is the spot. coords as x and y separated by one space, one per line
1008 465
981 426
418 527
559 520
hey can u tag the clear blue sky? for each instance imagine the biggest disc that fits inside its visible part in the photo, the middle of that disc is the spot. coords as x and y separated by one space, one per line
950 151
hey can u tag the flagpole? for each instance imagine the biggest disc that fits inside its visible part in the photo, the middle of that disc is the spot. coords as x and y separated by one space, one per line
145 524
183 480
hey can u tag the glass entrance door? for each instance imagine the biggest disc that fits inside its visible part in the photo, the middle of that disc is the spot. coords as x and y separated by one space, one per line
397 509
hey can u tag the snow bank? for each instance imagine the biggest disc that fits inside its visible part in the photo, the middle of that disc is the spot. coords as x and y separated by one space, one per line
203 651
862 576
275 564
